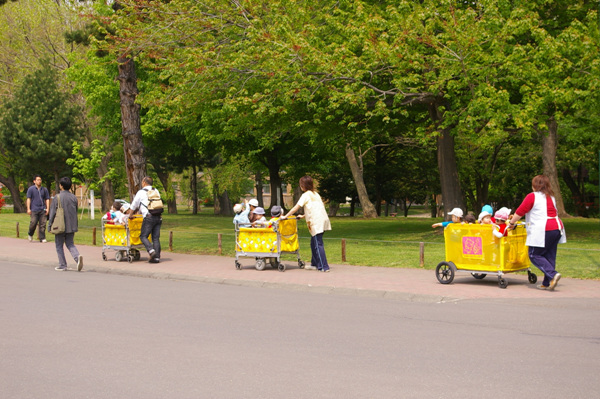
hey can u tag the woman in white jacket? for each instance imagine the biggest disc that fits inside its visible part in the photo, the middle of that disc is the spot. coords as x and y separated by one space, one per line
544 229
317 222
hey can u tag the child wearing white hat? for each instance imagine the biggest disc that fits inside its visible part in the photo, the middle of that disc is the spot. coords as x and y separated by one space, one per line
456 214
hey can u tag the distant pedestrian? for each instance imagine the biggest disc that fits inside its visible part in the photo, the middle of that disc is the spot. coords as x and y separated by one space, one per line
317 222
544 229
68 202
147 201
38 205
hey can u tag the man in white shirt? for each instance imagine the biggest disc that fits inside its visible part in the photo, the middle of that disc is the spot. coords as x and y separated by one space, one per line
151 224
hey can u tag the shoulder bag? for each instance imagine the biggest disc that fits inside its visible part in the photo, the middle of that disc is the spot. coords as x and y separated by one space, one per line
58 224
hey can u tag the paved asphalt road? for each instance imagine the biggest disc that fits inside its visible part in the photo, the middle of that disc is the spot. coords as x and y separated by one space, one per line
94 335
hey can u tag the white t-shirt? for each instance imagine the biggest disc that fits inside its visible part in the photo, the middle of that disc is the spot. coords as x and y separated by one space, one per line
140 201
314 210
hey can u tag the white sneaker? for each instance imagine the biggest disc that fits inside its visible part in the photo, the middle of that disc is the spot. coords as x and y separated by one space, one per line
310 267
44 240
30 238
79 263
60 269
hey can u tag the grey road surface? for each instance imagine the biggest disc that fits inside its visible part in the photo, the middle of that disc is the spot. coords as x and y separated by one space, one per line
91 335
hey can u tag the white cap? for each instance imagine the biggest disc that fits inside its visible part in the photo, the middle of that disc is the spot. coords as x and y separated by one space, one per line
259 211
456 212
237 208
125 207
483 214
253 202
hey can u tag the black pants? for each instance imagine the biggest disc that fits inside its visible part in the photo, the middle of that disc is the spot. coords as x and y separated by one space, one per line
151 225
38 218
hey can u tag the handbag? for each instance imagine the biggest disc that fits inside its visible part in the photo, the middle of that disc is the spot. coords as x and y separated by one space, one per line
58 224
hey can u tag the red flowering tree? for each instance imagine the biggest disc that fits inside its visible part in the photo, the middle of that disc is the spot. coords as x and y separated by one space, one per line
1 200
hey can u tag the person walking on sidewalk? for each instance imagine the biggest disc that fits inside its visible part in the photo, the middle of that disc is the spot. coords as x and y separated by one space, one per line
317 222
38 205
69 203
152 220
544 229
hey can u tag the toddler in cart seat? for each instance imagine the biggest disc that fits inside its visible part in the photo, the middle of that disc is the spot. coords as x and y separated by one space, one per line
275 215
241 214
456 214
261 220
501 217
124 217
113 216
485 218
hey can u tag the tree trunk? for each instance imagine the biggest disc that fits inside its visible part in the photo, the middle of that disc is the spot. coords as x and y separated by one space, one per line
576 193
223 204
170 197
333 208
357 174
135 161
258 185
449 182
549 146
107 193
274 180
13 188
296 197
194 189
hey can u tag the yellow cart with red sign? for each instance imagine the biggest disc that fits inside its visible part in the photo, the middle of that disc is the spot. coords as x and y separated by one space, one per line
267 243
473 248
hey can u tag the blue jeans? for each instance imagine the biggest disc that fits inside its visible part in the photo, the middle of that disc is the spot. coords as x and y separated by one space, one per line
319 259
38 218
151 225
544 258
59 241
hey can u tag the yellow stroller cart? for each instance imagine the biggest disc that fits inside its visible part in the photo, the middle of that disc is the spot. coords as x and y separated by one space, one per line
472 248
123 239
269 242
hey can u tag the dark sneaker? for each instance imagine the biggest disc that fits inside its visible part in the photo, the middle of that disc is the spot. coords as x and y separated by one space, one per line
79 263
60 269
152 255
554 281
154 260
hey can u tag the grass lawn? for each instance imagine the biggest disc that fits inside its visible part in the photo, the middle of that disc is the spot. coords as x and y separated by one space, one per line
387 241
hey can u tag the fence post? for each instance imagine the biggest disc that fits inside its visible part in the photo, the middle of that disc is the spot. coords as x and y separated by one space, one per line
422 254
17 229
171 240
94 236
220 244
343 249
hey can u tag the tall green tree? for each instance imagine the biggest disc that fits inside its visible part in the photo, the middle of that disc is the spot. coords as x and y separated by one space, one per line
39 125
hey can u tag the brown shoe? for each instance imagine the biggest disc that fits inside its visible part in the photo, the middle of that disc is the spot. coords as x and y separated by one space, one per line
554 281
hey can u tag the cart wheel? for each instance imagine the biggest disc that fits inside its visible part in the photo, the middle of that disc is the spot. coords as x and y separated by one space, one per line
238 265
300 264
281 267
129 258
531 277
136 254
119 256
260 264
445 272
502 283
479 276
104 258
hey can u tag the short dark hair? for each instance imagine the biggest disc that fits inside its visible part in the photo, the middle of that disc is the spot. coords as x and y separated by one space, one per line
36 176
148 180
306 183
65 182
117 205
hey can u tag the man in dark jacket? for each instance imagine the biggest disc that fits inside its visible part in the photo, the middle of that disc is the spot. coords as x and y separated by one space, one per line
69 204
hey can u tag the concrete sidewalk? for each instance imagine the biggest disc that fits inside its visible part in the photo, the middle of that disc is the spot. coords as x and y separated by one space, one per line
407 284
